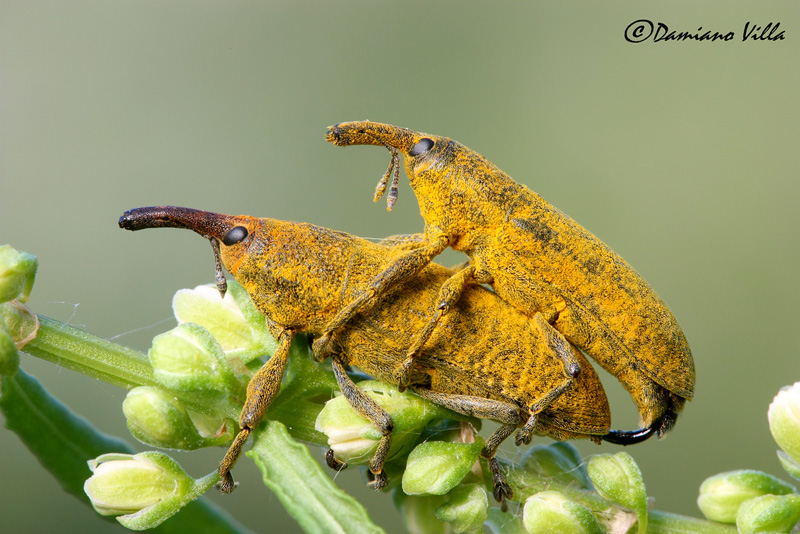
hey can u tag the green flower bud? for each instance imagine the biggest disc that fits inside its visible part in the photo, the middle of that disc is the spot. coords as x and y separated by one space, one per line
784 420
124 483
618 479
436 467
17 273
466 509
769 513
234 322
721 495
148 488
354 439
189 359
552 512
157 418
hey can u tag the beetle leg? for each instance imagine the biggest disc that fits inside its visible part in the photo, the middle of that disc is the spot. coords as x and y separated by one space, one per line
500 488
563 351
333 462
449 294
504 412
260 393
525 433
366 407
401 269
559 345
480 407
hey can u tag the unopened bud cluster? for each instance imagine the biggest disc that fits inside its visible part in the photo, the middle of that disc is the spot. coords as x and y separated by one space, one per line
201 368
552 483
757 501
436 475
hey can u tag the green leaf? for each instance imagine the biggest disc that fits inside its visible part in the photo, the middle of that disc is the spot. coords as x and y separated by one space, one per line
305 490
63 442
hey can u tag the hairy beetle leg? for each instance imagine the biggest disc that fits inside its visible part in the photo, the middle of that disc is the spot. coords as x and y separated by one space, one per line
378 481
366 407
501 490
504 412
559 345
449 294
226 484
563 351
260 393
333 462
401 269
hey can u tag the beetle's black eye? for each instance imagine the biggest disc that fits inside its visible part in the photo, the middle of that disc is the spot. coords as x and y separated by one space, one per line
234 235
422 146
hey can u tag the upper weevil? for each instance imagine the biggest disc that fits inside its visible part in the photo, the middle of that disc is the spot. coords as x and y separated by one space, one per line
538 260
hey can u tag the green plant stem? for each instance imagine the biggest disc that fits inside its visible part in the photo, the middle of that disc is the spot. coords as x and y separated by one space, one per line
93 356
666 523
85 353
88 354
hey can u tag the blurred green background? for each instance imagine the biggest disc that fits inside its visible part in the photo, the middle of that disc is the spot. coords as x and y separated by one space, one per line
682 156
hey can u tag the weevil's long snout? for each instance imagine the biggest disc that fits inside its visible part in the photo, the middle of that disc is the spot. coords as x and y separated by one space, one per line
371 133
213 226
205 223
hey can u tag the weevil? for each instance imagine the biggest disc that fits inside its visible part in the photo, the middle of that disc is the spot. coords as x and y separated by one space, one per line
537 259
486 360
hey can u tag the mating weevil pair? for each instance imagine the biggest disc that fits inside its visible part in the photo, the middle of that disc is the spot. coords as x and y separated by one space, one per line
386 309
490 361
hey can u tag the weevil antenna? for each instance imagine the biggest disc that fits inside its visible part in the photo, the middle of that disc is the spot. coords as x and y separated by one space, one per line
393 189
222 284
381 188
394 166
